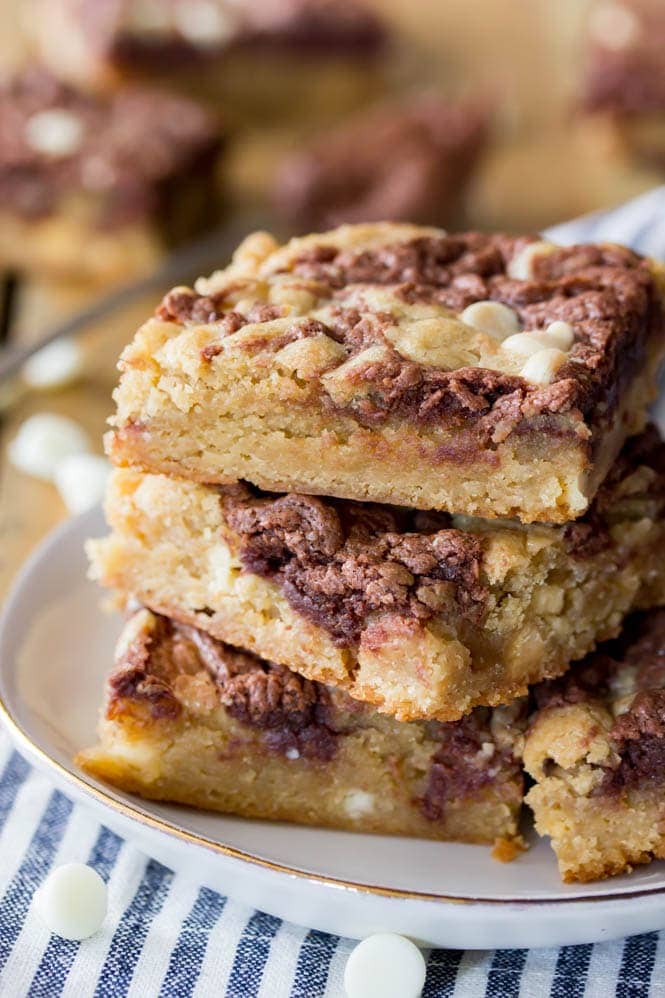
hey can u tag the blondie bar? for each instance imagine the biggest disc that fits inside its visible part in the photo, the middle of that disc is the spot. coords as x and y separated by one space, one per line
480 374
624 85
279 60
422 614
192 720
407 160
596 749
96 188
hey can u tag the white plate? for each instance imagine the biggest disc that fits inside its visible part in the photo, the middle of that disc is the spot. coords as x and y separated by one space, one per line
55 648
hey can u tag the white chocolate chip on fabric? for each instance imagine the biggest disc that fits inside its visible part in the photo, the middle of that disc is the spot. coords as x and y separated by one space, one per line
44 440
55 132
385 965
81 480
520 268
54 366
491 317
72 901
541 367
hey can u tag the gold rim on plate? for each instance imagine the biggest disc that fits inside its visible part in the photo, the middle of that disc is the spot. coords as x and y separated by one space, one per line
134 812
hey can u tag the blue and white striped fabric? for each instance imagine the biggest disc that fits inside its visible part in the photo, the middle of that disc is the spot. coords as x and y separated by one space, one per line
167 937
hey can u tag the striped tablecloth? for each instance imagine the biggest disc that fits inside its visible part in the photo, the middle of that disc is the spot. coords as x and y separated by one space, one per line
167 937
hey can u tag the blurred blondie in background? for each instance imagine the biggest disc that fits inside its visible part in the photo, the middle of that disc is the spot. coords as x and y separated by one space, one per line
318 111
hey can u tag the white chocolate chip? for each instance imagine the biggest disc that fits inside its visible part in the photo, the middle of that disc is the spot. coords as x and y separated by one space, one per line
81 480
43 441
202 22
55 132
491 317
548 599
541 367
292 753
56 365
560 334
385 965
222 567
613 26
523 344
358 803
72 901
557 334
520 268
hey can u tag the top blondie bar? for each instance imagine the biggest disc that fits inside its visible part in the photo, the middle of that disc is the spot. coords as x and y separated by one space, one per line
481 374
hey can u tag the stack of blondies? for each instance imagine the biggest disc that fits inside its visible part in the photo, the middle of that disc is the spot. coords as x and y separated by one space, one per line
380 493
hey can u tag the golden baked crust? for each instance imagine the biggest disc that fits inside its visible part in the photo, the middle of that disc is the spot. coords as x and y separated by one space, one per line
596 749
483 375
420 614
191 720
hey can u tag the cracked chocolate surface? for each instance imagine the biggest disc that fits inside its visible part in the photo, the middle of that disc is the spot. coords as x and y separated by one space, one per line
175 136
606 293
338 562
627 677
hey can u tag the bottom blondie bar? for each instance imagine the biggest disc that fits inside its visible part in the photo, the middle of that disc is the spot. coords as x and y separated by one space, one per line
193 720
596 748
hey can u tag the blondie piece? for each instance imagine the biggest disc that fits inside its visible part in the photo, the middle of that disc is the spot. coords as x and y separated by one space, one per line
479 374
274 61
624 86
596 749
95 188
408 160
193 720
422 614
